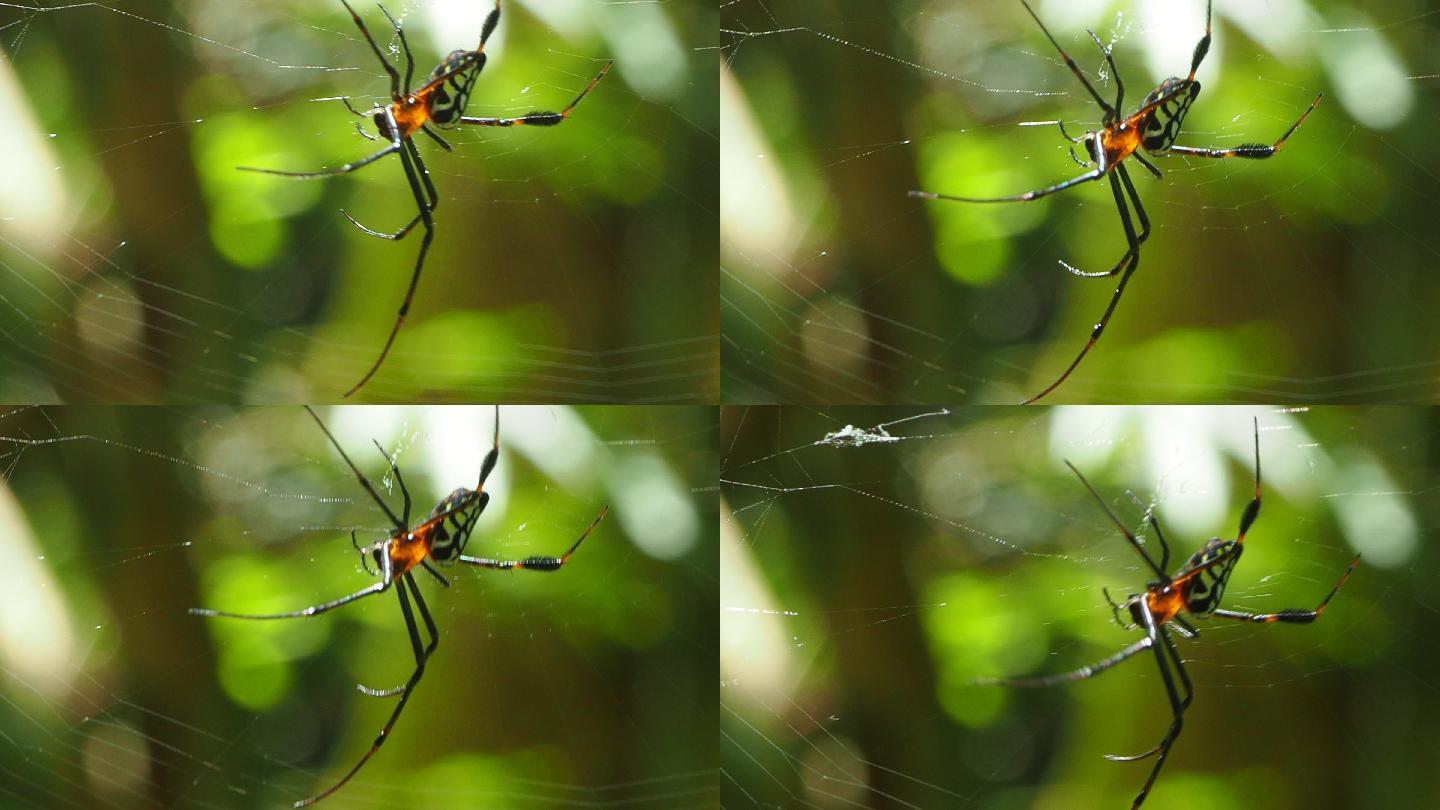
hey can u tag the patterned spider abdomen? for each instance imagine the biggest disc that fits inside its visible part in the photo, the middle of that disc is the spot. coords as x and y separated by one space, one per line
1162 126
459 70
453 520
1204 587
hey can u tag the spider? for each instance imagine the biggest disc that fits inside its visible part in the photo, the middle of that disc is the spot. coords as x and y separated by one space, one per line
1195 589
440 101
1151 129
441 537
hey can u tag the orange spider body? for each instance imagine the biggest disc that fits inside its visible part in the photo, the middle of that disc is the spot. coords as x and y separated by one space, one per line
410 549
441 537
441 101
1196 589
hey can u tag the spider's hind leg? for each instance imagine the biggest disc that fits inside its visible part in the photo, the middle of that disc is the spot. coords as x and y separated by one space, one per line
1144 229
433 202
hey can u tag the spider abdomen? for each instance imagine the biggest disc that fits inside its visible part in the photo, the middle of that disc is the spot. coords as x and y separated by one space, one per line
1161 126
453 79
452 521
1205 587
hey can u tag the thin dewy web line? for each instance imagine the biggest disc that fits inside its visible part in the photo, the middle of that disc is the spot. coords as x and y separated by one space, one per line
120 292
91 733
796 503
829 306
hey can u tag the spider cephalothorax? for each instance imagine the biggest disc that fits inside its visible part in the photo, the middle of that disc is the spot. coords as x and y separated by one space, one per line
1151 129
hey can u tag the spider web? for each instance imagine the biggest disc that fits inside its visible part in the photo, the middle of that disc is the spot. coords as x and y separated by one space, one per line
574 688
1305 278
865 584
137 264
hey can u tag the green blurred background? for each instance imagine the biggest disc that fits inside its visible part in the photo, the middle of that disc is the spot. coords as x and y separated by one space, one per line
581 686
572 263
1307 277
863 587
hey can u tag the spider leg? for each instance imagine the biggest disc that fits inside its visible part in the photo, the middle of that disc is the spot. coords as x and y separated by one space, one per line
1203 46
358 127
1254 151
346 101
435 136
1110 113
409 163
435 572
491 456
539 118
359 476
1115 610
1184 627
1164 547
1094 174
364 563
415 641
345 169
1292 615
1252 509
1144 232
1179 668
389 68
1074 675
1177 705
421 655
1147 164
404 46
430 191
491 20
395 470
537 563
313 610
1119 288
1129 535
1114 71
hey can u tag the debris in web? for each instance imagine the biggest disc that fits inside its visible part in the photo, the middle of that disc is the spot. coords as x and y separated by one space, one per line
851 436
